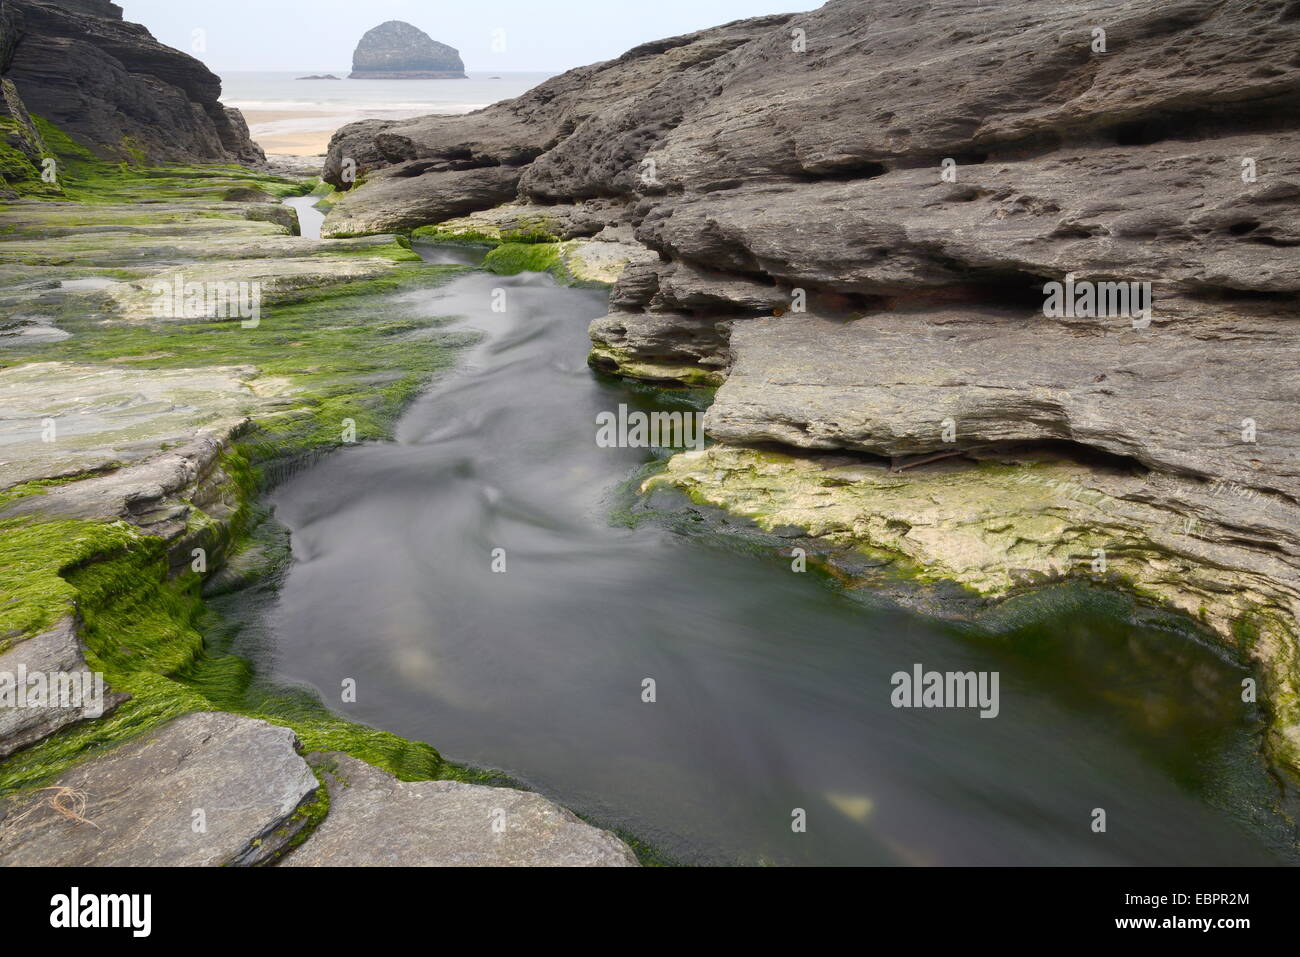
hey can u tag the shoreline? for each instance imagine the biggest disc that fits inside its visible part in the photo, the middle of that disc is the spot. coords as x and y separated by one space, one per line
284 132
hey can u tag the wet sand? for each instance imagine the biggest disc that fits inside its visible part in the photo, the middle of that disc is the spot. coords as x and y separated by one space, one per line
294 133
308 132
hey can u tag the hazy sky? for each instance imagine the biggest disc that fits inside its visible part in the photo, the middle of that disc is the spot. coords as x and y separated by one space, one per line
543 35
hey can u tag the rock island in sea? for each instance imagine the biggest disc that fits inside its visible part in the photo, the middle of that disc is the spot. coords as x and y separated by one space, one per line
398 51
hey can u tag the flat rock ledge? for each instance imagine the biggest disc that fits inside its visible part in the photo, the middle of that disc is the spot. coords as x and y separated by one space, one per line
376 820
215 789
208 789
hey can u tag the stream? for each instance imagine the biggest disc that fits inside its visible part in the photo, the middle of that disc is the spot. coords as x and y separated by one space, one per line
772 688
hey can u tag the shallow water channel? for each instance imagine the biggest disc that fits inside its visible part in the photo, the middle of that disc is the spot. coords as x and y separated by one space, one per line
772 688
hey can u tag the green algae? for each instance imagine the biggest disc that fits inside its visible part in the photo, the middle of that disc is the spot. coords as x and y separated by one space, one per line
509 259
528 231
85 178
619 363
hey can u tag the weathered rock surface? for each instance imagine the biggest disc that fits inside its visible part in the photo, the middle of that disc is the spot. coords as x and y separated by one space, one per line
376 820
107 416
117 90
52 666
399 51
480 156
141 799
855 213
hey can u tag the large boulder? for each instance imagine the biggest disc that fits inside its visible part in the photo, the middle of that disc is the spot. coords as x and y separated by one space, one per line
398 51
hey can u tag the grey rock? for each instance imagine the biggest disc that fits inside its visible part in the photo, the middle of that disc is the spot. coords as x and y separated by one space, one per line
417 193
666 338
69 693
508 134
376 820
246 777
636 287
108 82
396 50
884 382
690 288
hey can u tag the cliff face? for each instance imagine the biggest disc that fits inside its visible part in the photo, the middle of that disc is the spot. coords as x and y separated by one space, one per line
856 213
115 89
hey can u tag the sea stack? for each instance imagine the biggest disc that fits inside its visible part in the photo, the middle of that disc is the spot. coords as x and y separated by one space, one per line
398 51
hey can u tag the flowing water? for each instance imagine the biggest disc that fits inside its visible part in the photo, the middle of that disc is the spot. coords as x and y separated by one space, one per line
772 688
310 219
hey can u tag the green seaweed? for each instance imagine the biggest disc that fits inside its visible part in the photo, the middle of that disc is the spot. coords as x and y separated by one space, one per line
509 259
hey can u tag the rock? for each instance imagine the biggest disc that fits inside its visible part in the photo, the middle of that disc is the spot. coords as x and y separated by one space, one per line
245 194
119 91
376 820
515 132
11 31
327 76
529 222
405 196
109 416
395 50
69 691
663 347
1110 388
141 799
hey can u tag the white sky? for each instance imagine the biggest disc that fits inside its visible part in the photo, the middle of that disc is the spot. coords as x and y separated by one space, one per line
540 35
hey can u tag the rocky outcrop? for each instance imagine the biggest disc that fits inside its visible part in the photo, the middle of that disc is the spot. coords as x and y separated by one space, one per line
856 214
433 168
377 821
398 51
115 89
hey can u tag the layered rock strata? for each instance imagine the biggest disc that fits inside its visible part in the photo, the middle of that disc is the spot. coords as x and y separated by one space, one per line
114 88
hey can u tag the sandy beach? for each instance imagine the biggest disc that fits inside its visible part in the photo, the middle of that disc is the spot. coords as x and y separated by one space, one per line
307 132
291 116
293 133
